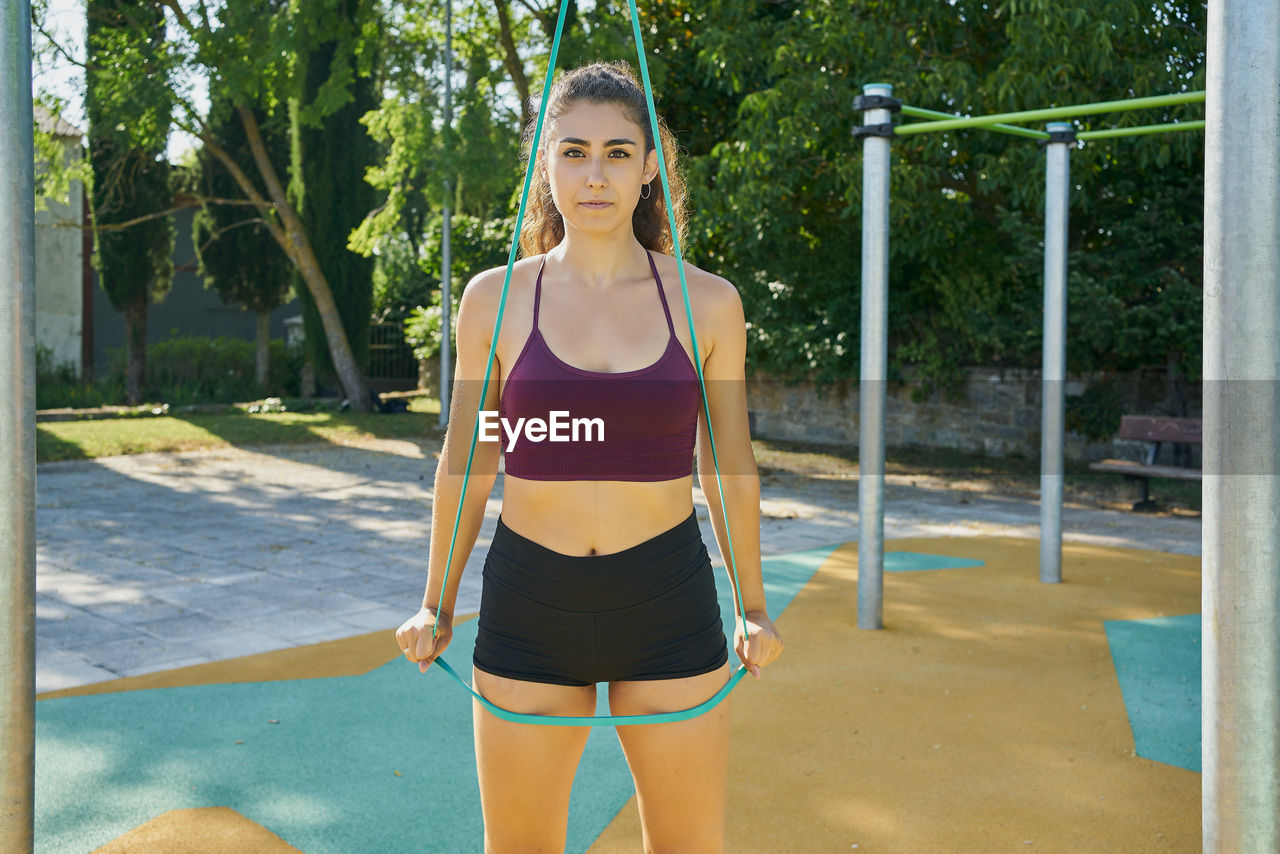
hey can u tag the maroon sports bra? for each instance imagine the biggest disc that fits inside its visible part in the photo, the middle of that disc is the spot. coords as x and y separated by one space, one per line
636 425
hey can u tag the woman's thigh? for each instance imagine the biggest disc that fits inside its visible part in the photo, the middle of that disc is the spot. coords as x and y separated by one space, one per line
526 771
681 769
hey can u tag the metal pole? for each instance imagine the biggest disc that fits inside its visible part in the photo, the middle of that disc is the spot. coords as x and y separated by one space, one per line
446 336
874 367
1057 192
1240 588
17 431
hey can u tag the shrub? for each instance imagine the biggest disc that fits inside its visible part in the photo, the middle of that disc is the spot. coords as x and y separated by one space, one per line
422 327
183 370
57 385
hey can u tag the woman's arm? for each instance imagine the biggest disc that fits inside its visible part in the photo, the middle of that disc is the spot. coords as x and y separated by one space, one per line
724 373
476 313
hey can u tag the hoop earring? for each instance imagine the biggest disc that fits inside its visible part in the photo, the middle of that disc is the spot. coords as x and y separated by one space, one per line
649 187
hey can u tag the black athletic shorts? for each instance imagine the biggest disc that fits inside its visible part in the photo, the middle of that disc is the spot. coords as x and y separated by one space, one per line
646 612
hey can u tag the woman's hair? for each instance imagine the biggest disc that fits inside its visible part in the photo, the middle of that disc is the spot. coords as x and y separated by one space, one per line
602 83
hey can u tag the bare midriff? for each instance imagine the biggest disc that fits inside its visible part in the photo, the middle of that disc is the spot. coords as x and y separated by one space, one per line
585 517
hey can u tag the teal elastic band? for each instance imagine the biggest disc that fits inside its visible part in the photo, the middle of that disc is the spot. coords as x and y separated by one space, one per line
600 720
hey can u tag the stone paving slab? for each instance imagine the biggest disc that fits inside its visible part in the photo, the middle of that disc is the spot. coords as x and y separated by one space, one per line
153 561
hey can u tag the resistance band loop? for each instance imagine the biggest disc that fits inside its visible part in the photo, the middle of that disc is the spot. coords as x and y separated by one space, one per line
600 720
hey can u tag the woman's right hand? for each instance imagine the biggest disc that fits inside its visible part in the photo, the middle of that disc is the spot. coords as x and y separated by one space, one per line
414 636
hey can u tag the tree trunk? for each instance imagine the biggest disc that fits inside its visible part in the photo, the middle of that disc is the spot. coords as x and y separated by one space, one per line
293 239
512 61
264 349
135 336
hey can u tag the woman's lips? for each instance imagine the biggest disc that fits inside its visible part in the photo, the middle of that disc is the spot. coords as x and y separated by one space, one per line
596 204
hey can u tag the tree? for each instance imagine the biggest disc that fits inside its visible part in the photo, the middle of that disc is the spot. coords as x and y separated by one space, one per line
329 191
133 249
760 94
966 207
247 51
237 256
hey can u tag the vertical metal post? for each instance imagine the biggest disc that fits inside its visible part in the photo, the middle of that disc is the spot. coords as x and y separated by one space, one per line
1053 376
17 432
446 336
874 365
1240 589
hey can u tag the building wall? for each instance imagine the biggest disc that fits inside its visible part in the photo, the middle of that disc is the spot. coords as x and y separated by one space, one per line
59 281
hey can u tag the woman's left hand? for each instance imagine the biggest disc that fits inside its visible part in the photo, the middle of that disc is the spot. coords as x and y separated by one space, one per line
764 645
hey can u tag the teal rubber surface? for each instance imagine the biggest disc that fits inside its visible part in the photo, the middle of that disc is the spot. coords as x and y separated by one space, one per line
916 561
323 778
1157 663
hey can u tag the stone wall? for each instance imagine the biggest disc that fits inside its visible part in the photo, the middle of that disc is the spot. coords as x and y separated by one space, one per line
997 412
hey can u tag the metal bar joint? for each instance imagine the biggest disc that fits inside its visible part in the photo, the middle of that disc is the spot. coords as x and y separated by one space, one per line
863 103
885 129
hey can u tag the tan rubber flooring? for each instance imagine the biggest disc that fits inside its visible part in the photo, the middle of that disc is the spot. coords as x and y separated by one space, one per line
986 716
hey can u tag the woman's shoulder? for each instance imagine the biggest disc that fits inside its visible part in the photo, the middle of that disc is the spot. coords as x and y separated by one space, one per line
714 298
482 295
487 284
709 286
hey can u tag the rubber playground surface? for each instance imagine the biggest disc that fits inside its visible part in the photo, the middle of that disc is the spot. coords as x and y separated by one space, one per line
992 713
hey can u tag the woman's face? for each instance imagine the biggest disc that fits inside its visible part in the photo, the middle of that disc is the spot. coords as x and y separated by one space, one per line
594 152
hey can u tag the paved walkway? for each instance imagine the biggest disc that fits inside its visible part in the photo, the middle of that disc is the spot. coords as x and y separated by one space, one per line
154 561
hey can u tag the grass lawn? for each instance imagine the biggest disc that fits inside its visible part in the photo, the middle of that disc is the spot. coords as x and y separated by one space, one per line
88 439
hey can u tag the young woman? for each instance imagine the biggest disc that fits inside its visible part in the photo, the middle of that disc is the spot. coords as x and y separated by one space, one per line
597 571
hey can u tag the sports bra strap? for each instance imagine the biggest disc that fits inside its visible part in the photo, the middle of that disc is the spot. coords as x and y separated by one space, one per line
665 309
537 293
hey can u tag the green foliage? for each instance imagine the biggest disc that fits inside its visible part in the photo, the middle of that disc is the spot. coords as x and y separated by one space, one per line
1095 414
476 246
127 132
192 369
226 235
56 167
783 199
328 188
403 283
198 369
760 93
422 328
57 385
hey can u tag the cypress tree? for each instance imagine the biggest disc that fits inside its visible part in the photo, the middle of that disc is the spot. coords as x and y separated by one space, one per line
134 263
330 194
237 255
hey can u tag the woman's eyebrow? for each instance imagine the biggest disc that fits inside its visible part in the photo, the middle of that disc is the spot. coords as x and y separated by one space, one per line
573 140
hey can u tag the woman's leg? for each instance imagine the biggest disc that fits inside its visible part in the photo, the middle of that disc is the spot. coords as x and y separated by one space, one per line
681 769
526 771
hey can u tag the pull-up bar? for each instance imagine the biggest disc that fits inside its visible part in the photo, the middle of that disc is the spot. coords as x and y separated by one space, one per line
878 105
1240 681
1142 130
1047 114
1030 133
921 113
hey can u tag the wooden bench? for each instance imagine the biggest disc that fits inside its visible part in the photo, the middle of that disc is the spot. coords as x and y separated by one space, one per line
1153 429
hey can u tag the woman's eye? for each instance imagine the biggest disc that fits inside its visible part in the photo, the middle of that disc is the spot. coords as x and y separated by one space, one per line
615 151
